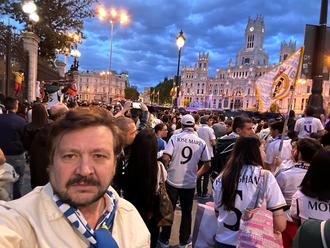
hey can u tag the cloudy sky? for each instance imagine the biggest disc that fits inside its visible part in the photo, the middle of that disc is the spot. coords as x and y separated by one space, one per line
146 47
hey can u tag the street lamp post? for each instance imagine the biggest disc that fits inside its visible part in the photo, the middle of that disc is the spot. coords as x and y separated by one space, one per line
31 46
180 40
316 100
113 15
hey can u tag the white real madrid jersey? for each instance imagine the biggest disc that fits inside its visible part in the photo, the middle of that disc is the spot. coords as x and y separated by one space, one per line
229 221
304 208
307 125
186 149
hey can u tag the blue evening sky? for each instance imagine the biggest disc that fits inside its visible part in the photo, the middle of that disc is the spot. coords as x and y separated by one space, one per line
146 47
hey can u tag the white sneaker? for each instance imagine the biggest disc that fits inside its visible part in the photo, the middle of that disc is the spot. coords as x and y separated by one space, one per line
163 245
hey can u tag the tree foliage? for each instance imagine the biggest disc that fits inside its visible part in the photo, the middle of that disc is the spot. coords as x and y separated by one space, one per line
57 17
131 93
10 42
274 108
164 89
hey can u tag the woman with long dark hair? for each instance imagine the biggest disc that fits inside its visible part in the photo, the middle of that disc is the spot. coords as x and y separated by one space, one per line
313 198
37 147
236 187
143 177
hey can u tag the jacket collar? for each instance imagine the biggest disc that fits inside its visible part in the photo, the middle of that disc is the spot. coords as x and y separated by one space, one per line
54 213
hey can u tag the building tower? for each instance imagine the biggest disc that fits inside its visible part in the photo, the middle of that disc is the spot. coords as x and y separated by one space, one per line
253 52
202 66
287 49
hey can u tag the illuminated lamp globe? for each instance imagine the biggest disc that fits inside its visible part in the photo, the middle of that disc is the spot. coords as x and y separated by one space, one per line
34 17
29 7
180 39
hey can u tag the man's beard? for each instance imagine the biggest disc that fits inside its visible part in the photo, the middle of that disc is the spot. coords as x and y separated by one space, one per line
65 198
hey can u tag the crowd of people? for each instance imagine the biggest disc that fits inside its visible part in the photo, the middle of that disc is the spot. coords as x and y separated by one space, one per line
98 173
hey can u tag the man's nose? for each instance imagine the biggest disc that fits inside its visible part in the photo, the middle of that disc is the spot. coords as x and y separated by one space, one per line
85 167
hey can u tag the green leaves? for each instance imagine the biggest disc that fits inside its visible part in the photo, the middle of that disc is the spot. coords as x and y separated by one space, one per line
131 93
57 17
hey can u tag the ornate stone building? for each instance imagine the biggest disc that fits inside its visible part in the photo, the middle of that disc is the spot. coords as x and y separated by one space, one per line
233 87
101 86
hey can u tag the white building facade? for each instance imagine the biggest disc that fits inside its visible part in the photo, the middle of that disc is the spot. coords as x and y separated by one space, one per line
233 87
101 86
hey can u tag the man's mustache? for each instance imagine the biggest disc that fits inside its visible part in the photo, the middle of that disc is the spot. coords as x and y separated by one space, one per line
81 179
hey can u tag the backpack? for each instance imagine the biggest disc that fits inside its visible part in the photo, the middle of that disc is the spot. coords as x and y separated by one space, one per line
223 149
313 233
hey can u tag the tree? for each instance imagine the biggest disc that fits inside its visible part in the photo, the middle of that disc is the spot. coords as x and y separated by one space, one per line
131 93
11 48
164 89
274 108
57 17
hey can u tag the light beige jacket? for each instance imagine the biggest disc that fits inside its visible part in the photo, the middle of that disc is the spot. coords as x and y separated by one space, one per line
35 221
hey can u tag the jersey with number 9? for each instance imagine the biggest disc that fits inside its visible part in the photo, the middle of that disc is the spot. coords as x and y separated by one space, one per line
186 149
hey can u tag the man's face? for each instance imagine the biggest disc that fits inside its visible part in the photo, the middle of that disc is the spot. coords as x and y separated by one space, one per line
83 165
130 136
247 130
274 133
209 122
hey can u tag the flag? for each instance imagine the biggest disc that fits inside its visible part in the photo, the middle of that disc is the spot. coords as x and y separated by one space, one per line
275 84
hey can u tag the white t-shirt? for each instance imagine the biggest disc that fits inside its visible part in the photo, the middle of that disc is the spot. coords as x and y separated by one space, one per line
307 125
309 208
206 133
289 180
185 149
54 98
229 221
273 147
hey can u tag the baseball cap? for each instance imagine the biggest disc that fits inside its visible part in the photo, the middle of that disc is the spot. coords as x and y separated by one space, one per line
188 120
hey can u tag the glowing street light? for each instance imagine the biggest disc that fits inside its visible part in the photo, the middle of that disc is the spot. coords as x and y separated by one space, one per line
101 12
34 17
112 15
180 40
124 18
29 7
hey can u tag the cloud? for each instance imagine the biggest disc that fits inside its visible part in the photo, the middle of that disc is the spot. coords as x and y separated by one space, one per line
146 47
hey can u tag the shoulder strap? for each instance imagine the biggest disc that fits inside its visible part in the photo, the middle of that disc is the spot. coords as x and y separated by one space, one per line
323 234
255 199
160 170
228 148
262 188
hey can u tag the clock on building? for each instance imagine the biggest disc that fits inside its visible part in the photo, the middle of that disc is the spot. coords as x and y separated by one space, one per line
262 30
251 29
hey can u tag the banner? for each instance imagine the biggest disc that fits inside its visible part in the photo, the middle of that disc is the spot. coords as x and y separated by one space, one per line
275 84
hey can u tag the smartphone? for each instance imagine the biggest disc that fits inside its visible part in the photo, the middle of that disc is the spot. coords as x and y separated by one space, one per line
136 105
